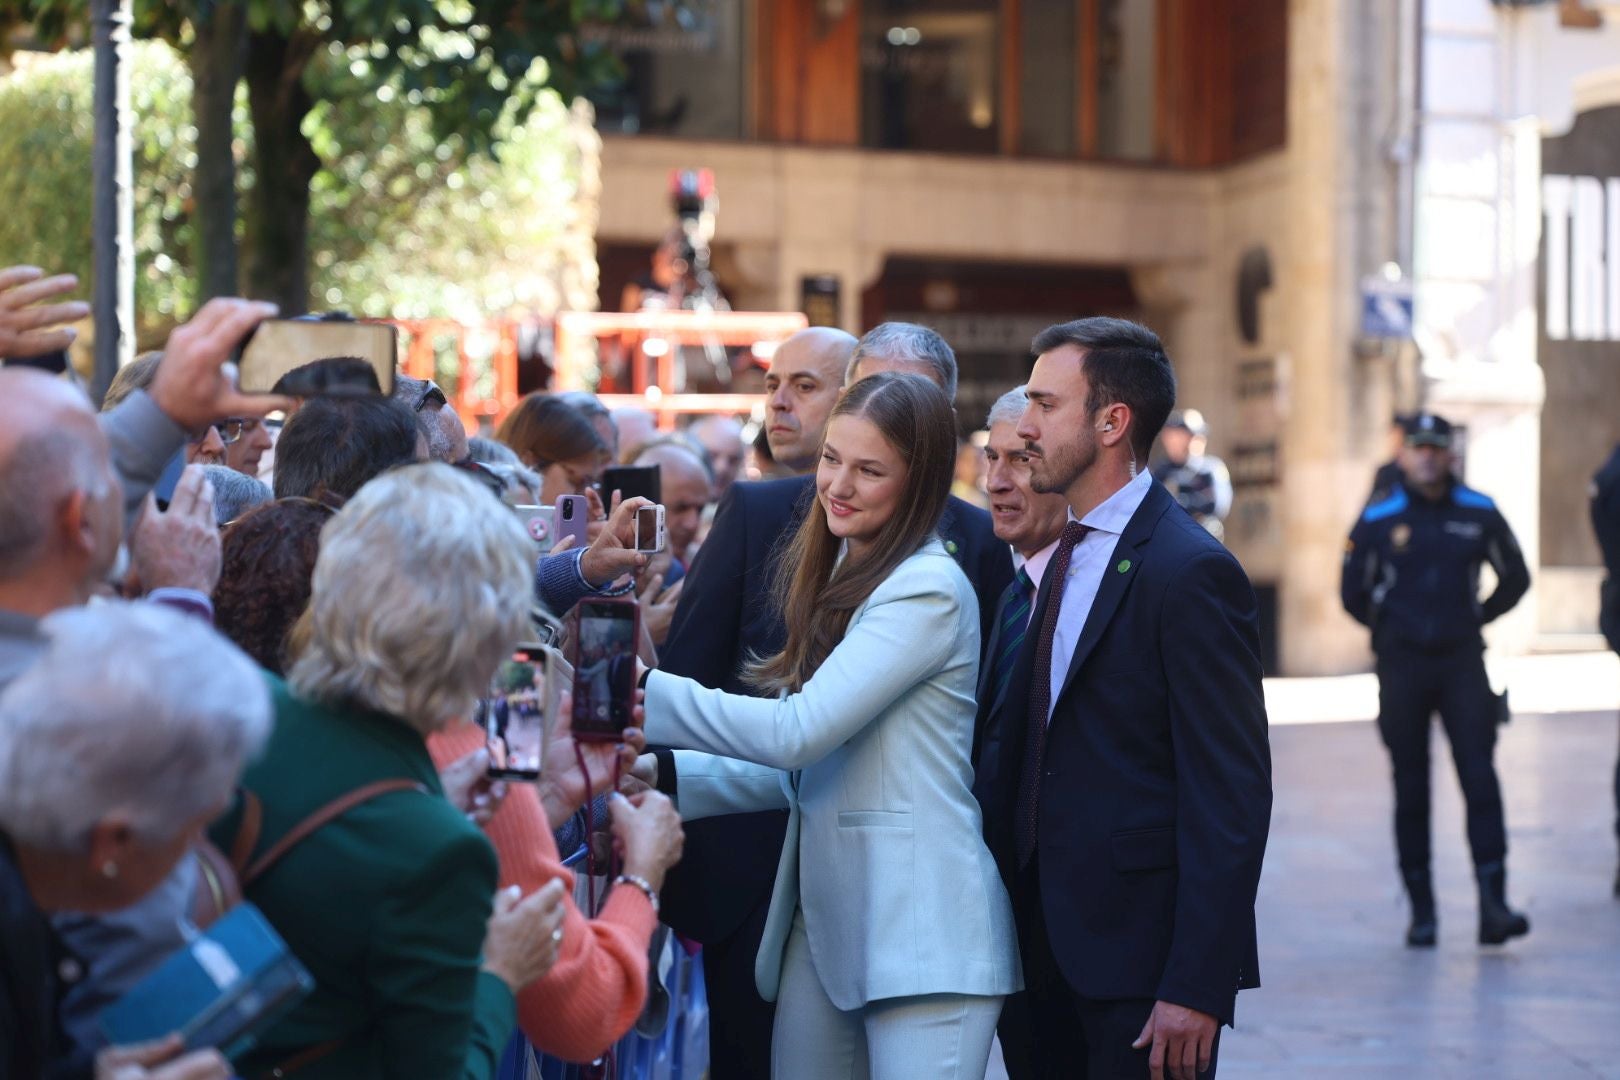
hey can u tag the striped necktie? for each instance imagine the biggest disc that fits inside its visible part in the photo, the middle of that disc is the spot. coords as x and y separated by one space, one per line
1013 624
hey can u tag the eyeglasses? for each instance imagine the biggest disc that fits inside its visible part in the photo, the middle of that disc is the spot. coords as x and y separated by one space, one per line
230 429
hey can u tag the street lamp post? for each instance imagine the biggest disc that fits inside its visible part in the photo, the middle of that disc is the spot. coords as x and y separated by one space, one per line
112 185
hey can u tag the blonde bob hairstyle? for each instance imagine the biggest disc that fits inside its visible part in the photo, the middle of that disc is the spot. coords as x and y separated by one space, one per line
422 587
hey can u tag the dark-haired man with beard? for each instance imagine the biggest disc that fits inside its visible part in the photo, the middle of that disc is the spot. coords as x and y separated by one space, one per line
1126 774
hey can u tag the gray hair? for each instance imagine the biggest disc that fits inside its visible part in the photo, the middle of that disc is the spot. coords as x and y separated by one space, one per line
132 709
34 480
680 443
908 343
422 587
234 493
503 463
586 402
1009 407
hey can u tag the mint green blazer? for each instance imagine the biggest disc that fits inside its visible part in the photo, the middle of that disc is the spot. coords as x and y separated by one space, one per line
885 851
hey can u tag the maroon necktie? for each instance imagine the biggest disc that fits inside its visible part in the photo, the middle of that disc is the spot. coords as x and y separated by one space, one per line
1040 698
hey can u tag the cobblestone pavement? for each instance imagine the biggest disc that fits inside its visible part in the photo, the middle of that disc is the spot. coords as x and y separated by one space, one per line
1344 998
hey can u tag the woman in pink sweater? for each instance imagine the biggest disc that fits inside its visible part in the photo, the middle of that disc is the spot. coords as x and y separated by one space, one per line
589 999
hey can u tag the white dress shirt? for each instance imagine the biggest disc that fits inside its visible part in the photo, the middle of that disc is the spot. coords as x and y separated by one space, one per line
1087 565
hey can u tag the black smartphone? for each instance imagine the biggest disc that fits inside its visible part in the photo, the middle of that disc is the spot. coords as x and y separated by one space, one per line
163 490
514 715
630 481
604 660
280 356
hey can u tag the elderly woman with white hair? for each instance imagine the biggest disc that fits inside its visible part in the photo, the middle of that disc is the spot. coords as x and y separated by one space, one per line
422 587
117 746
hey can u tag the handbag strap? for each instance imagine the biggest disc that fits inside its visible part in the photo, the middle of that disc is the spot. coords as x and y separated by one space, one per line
322 816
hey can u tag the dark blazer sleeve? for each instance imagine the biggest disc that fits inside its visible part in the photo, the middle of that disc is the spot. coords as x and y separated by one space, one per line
1208 629
985 560
1512 575
708 619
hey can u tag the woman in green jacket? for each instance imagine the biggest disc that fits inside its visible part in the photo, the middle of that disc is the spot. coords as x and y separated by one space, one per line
422 587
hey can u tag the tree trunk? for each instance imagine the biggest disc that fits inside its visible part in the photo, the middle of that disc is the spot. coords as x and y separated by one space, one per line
278 206
216 59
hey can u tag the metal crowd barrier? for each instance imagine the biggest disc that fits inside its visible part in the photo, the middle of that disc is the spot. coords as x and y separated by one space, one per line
677 1050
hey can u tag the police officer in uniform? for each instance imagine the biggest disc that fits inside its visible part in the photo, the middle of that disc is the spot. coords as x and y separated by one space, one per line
1198 481
1411 574
1606 523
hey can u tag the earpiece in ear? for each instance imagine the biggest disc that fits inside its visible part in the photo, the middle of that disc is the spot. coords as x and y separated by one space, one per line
1108 427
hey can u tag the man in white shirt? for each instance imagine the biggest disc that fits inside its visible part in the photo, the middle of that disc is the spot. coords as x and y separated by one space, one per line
1125 775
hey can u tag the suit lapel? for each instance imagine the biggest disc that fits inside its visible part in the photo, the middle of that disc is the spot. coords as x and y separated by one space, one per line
1123 569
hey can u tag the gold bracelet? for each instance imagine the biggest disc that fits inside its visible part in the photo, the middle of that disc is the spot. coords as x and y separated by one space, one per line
642 884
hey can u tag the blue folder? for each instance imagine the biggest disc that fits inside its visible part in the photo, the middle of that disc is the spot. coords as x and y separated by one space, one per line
222 990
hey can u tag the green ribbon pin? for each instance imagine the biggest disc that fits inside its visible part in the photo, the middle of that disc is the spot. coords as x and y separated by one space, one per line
1124 565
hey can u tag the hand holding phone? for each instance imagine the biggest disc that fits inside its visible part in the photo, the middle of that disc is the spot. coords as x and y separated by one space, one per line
284 352
514 716
192 385
651 536
571 517
604 660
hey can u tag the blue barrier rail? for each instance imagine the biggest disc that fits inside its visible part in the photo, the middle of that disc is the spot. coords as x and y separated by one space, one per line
678 1051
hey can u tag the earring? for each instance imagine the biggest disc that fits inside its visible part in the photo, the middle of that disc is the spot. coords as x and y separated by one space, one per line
109 870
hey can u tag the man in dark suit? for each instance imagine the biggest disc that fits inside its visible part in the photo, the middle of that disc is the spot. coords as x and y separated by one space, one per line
1126 773
720 892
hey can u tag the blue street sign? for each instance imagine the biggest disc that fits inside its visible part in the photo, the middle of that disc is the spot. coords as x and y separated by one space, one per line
1386 308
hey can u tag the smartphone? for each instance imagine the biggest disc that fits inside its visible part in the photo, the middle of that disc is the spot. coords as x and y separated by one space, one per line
163 490
515 714
650 535
631 481
604 660
282 351
571 519
537 522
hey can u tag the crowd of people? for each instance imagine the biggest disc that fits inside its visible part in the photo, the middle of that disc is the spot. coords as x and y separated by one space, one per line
910 771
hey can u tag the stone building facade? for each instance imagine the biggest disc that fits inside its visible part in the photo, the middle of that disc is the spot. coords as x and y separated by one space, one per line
1341 143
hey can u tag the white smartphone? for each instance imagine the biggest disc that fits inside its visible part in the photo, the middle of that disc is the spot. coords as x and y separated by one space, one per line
650 536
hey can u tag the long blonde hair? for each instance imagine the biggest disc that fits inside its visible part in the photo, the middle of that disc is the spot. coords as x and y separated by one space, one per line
815 593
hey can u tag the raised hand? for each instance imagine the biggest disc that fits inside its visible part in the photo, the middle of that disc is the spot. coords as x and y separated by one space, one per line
29 327
192 385
178 547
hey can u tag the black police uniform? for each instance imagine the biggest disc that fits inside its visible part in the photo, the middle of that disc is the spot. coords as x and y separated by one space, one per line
1202 486
1606 523
1411 574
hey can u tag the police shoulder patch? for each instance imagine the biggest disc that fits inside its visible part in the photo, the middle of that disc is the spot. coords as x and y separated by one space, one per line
1473 500
1386 508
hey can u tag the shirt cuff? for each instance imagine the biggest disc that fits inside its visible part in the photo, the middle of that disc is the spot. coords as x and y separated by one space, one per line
189 601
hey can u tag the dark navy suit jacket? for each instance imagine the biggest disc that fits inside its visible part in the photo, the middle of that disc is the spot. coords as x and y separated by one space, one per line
728 865
1155 800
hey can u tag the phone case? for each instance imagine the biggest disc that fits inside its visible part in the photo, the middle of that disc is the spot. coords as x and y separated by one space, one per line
223 990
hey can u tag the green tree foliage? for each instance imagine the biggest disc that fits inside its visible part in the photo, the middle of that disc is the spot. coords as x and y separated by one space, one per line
475 68
402 222
45 135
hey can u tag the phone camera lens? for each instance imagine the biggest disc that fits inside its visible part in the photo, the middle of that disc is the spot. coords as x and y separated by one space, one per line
568 509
